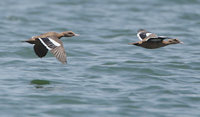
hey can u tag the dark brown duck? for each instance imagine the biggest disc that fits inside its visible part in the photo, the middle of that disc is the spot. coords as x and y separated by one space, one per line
152 41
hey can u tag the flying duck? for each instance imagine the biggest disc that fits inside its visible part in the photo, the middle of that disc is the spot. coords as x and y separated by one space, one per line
51 41
152 41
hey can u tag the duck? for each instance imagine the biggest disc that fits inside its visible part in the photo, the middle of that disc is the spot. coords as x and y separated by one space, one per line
150 40
50 41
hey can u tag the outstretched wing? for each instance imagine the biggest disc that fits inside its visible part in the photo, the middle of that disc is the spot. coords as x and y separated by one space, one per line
142 35
40 50
155 38
164 37
60 54
55 46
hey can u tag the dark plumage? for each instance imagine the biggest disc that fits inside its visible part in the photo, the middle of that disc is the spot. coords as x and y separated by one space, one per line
152 41
50 41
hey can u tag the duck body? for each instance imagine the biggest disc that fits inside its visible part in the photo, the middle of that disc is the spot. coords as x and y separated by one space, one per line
50 41
33 40
150 45
152 41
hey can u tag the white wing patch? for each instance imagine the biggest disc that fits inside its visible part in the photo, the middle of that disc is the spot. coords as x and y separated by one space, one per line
44 44
49 43
147 34
138 35
54 42
164 37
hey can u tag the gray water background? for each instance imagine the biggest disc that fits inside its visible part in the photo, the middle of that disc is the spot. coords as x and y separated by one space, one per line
104 77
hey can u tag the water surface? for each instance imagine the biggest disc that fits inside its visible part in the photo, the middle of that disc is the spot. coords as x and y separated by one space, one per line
104 77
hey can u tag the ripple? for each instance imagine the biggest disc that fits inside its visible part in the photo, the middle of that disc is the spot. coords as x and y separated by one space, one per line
104 76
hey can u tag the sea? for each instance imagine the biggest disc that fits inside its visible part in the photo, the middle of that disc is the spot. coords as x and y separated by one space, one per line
104 76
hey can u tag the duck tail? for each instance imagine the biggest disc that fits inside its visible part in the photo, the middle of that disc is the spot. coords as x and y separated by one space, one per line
133 43
28 41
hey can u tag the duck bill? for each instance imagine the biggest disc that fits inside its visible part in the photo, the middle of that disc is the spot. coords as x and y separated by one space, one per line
181 42
77 35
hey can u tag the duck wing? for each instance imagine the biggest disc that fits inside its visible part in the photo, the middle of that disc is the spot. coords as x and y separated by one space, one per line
40 50
144 34
55 46
154 38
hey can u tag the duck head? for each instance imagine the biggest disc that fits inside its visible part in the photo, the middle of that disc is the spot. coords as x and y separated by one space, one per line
69 34
174 41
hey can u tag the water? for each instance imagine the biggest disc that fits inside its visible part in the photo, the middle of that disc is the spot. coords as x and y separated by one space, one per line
104 77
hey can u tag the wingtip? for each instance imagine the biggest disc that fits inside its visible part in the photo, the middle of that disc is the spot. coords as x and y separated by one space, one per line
140 30
63 62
